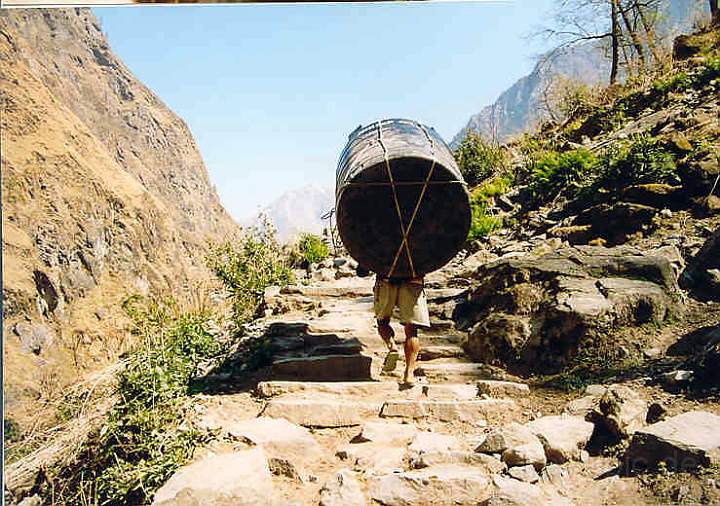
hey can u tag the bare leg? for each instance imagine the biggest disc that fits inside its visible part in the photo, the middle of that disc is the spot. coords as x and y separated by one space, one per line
412 349
387 335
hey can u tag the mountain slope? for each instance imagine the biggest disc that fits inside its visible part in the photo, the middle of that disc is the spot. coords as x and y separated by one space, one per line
300 210
104 195
520 108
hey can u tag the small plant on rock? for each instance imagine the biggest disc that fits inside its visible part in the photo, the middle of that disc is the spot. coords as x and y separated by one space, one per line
639 160
478 159
248 267
312 248
565 173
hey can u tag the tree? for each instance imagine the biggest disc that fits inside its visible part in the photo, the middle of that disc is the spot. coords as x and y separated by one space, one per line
714 13
626 27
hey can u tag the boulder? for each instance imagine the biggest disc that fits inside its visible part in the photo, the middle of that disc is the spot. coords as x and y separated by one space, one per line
615 222
682 442
524 473
240 478
659 196
342 489
512 492
437 485
706 363
277 436
535 312
621 411
517 444
563 437
34 337
699 276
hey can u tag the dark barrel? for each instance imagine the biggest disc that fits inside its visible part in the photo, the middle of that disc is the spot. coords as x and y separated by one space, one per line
397 178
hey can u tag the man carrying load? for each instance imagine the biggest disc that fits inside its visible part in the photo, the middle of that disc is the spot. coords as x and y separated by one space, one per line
408 295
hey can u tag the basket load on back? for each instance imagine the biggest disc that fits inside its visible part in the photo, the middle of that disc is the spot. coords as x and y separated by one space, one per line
403 209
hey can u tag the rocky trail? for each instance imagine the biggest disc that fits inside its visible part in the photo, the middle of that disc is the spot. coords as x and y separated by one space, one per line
323 425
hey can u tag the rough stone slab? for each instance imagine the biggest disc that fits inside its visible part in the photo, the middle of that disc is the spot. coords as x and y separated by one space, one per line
524 473
241 478
386 432
343 388
496 388
512 492
581 406
277 436
428 442
474 411
517 444
621 411
324 367
685 441
563 437
321 412
434 458
342 489
327 291
432 352
455 391
438 485
450 370
374 458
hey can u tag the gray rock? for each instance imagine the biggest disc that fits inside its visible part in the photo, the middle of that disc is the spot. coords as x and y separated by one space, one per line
562 299
241 478
277 436
34 337
621 411
685 441
342 489
517 444
524 473
438 485
563 437
427 442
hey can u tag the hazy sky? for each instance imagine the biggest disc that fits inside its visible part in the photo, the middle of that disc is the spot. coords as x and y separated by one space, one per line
272 91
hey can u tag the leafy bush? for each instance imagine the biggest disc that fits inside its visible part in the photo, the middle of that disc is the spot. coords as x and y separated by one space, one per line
566 173
483 223
143 440
478 159
247 268
675 82
312 248
639 160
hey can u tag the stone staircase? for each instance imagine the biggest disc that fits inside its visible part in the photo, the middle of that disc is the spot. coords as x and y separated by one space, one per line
335 431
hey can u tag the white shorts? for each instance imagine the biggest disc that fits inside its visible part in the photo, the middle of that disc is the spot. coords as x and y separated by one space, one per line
407 296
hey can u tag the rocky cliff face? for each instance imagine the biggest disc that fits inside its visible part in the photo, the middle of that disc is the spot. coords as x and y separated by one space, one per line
104 194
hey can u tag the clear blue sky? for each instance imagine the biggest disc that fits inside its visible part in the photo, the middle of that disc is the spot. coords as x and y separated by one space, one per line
271 91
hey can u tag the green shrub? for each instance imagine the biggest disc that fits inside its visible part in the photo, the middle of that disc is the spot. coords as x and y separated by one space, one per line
675 82
478 159
567 173
312 248
143 440
639 160
248 267
483 223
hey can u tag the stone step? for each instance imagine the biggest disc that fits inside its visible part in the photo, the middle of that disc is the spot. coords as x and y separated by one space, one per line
434 351
454 371
340 388
321 412
472 411
495 388
324 368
